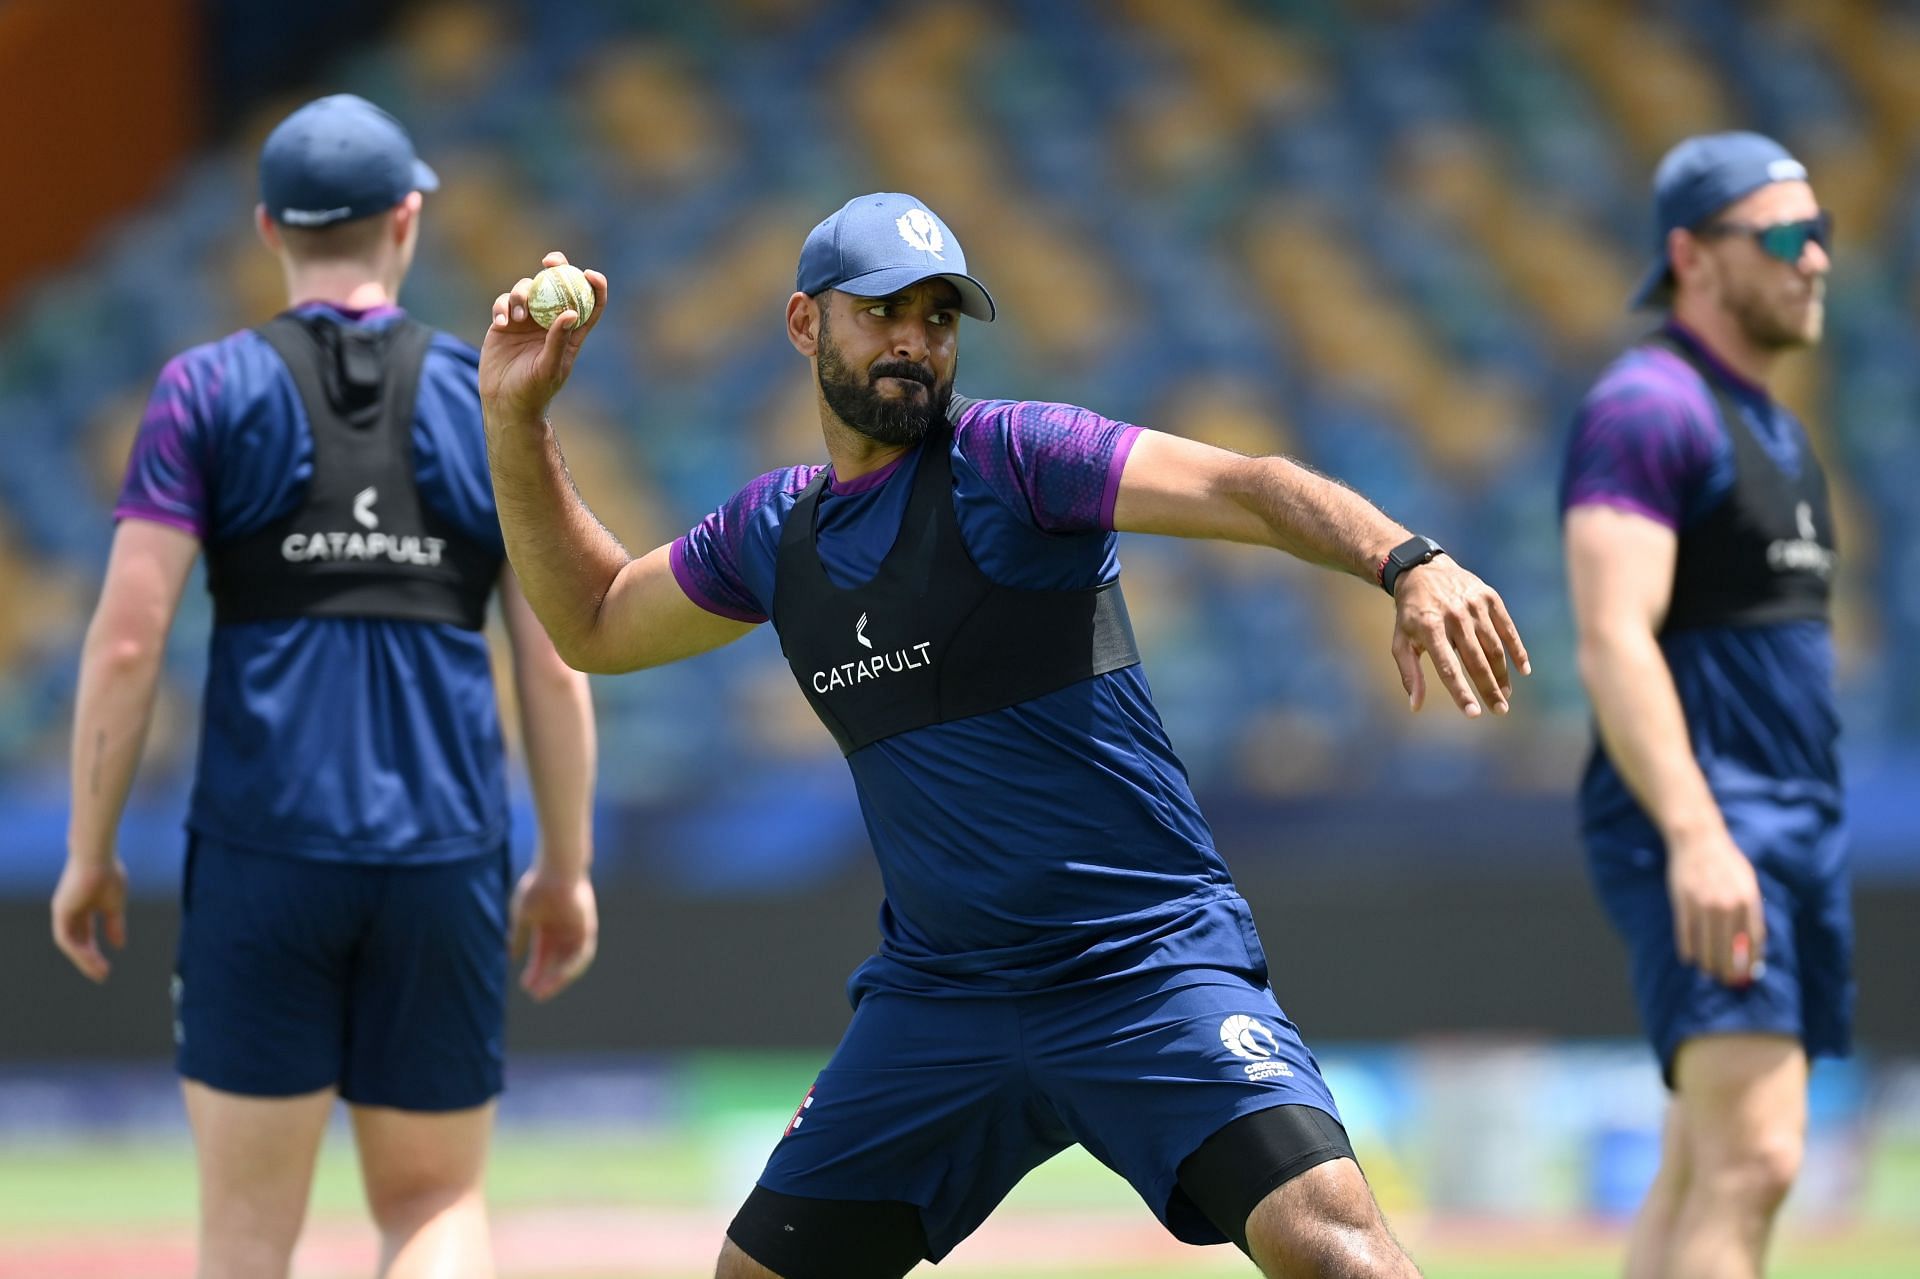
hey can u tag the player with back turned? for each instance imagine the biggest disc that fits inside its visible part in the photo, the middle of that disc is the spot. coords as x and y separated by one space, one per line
1700 557
345 914
1064 957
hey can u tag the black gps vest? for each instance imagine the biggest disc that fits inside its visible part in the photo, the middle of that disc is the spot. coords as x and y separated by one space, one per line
931 638
361 544
1765 553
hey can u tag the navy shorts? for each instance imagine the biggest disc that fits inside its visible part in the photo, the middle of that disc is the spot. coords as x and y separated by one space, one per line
386 982
1799 853
947 1101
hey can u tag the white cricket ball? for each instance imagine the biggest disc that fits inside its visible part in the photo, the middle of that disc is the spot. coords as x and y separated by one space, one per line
557 289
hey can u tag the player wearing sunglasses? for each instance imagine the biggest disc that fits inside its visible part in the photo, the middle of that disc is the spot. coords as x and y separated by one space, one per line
1700 558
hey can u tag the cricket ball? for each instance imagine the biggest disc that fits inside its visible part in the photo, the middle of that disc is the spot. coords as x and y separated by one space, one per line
557 289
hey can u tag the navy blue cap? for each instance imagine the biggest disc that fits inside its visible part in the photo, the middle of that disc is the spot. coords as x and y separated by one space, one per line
1700 177
335 159
877 245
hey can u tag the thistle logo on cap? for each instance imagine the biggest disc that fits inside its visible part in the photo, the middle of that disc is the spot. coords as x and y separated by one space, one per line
920 231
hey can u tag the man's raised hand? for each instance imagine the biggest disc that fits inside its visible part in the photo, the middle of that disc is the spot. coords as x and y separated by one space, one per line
523 366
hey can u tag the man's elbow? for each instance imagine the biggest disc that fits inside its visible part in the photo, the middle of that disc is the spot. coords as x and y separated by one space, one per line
125 653
572 657
591 655
581 665
1603 650
1591 659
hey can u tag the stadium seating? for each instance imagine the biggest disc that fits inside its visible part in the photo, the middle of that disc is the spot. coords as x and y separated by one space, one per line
1394 238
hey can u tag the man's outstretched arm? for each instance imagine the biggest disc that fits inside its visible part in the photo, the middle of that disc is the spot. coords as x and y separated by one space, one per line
1183 488
606 611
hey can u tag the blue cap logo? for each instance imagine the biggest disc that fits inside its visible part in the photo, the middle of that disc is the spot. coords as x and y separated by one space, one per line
920 231
336 159
1700 177
876 245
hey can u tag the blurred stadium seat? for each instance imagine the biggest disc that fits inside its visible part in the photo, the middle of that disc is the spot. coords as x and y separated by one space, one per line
1394 238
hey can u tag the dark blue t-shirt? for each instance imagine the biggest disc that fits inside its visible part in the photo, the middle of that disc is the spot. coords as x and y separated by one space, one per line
343 739
1759 700
1053 841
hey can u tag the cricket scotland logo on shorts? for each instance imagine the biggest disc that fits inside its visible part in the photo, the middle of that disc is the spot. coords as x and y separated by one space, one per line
1251 1040
848 674
800 1112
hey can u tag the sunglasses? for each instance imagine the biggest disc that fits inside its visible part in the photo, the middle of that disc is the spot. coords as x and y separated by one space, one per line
1783 240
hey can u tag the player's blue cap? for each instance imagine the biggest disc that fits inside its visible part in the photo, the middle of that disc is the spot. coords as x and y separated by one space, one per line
1697 179
335 159
879 244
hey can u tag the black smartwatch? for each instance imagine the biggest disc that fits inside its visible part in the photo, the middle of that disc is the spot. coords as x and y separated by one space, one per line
1411 553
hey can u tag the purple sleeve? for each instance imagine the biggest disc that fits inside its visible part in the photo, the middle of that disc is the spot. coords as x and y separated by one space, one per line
725 562
1643 445
166 480
1058 463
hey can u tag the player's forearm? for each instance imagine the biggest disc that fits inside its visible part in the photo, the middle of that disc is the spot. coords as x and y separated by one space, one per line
556 721
565 558
119 675
1645 730
1314 518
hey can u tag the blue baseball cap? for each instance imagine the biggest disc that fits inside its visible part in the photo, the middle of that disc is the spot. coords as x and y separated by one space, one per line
1700 177
876 245
335 159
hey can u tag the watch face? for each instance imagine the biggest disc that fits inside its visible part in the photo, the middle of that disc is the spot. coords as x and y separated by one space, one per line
1411 553
1417 550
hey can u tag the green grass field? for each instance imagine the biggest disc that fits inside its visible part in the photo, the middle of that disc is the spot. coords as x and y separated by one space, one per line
650 1205
592 1200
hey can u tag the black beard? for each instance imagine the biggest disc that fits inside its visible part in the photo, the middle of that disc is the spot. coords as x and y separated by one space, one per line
855 402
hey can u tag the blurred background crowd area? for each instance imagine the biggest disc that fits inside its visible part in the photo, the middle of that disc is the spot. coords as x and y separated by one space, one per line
1391 238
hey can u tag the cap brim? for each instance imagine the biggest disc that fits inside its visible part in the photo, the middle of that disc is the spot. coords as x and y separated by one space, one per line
975 301
424 178
1653 288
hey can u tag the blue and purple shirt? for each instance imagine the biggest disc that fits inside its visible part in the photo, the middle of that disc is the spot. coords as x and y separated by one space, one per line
341 739
1759 700
1053 841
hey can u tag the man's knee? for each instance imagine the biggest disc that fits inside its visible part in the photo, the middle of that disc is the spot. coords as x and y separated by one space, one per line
256 1163
402 1209
417 1165
1345 1255
245 1257
1744 1099
406 1189
1757 1171
1324 1224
